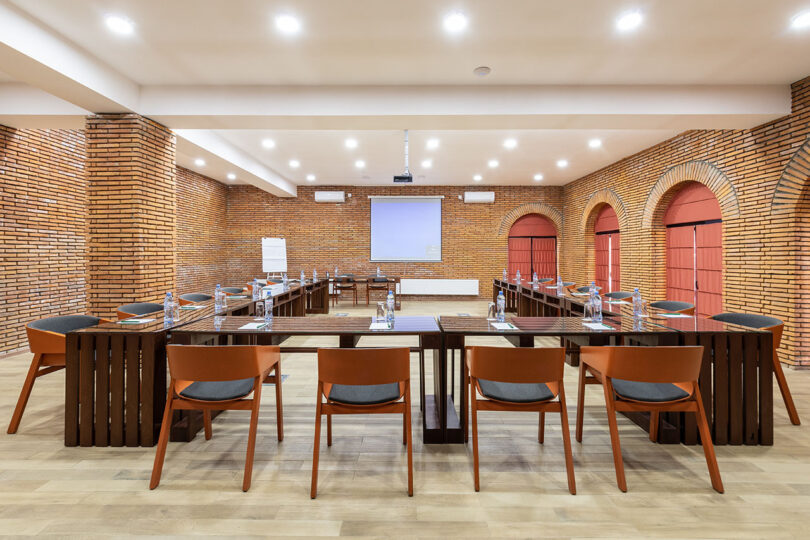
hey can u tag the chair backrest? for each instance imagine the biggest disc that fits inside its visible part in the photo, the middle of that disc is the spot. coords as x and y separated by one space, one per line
516 364
364 366
753 320
232 290
646 364
618 295
220 362
674 306
64 323
584 289
196 297
139 308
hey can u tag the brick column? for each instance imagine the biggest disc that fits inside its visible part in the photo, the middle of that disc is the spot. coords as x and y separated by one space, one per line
132 218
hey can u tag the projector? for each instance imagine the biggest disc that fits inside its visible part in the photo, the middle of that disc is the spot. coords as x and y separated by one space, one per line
404 178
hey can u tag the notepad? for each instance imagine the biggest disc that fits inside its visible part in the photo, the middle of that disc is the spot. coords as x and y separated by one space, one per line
252 326
551 287
617 302
379 326
597 326
579 293
191 308
135 321
675 315
238 297
504 326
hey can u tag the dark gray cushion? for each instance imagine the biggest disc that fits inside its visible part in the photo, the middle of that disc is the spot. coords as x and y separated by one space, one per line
65 323
196 297
644 391
587 289
568 283
141 308
750 320
515 392
232 290
218 390
380 280
545 280
364 394
671 305
618 295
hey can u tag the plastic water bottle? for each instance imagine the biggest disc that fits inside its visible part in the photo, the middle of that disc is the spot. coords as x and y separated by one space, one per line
500 313
168 308
559 286
256 289
389 314
534 278
379 273
284 280
336 271
218 298
303 278
597 307
592 289
505 275
314 275
638 306
268 309
517 276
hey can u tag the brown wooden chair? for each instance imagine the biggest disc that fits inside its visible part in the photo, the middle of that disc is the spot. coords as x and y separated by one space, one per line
136 310
519 379
191 298
673 306
344 283
377 284
775 326
363 381
46 339
654 379
206 378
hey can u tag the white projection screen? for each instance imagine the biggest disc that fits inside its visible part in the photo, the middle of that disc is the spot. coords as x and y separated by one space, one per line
406 229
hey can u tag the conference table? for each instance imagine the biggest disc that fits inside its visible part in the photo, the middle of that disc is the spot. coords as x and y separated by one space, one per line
736 378
392 281
115 376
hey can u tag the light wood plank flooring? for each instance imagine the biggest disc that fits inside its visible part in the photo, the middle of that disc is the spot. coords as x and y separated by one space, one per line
47 489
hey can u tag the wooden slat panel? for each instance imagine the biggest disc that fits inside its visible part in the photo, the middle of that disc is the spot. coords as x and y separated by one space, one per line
750 384
117 362
102 389
72 390
147 389
132 404
735 388
766 389
689 429
160 384
86 384
705 381
720 431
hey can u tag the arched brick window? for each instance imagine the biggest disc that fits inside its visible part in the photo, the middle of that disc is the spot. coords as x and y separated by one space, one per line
533 247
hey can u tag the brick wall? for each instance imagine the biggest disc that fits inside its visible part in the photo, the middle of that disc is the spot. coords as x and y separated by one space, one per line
323 235
201 216
132 210
43 198
762 251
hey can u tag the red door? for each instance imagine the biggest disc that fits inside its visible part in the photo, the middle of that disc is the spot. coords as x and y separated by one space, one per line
544 257
533 247
607 245
695 249
520 257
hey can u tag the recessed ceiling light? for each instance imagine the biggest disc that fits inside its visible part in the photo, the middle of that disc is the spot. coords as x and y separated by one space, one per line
288 24
427 163
432 144
538 177
477 178
360 164
294 163
119 25
350 143
562 163
510 143
629 20
268 143
310 178
482 71
492 163
455 22
199 162
231 176
595 143
801 21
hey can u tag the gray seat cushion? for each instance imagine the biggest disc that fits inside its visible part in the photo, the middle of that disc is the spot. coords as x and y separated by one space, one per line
515 392
545 280
587 289
380 280
644 391
65 323
364 394
141 308
232 290
196 297
618 295
218 390
568 283
750 320
671 305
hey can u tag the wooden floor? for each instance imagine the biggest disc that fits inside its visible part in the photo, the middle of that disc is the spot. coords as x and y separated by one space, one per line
48 489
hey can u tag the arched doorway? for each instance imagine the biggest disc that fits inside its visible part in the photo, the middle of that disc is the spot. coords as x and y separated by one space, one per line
607 246
533 247
694 247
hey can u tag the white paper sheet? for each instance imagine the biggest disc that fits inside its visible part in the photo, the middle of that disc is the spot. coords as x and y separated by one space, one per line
379 326
135 321
252 326
503 326
597 326
676 315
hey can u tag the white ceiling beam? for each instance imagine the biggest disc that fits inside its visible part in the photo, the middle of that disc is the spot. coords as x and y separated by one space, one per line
466 107
25 107
249 170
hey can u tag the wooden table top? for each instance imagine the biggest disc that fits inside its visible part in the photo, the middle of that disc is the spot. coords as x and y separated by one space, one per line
311 326
550 326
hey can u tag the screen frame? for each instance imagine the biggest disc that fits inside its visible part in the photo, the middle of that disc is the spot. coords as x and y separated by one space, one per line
441 228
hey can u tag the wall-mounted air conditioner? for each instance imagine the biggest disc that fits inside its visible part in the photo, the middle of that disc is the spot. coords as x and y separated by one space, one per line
479 196
330 196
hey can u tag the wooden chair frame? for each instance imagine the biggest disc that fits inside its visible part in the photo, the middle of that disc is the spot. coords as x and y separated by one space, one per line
343 284
599 363
513 372
174 401
357 366
372 285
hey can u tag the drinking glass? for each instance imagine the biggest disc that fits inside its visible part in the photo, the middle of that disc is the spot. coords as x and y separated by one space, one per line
260 309
175 311
380 312
491 312
588 313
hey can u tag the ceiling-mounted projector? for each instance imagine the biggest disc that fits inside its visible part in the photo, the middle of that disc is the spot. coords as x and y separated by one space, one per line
406 177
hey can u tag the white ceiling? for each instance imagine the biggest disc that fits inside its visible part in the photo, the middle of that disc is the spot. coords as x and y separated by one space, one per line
561 75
